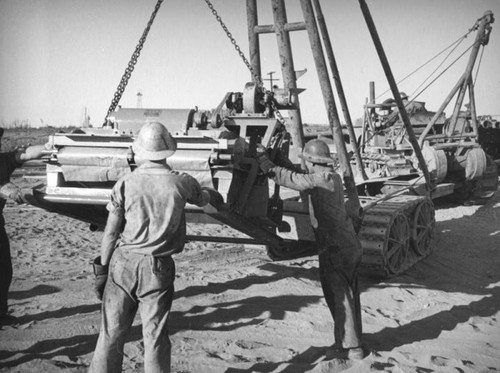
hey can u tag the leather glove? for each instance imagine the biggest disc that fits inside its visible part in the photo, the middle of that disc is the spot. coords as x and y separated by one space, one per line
101 276
13 192
263 158
17 196
216 199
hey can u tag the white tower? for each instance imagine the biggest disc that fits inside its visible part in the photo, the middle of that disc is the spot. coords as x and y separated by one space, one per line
86 118
139 99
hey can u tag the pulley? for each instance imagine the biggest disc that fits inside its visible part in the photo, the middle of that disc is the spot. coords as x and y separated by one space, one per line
475 164
436 162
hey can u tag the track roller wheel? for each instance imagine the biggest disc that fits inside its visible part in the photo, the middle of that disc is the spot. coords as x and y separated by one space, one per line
423 228
397 245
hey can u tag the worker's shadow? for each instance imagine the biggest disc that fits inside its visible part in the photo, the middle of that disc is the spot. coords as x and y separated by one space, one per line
59 313
47 349
33 292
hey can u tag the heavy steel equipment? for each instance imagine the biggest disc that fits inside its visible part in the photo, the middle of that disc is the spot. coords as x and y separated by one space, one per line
218 147
459 167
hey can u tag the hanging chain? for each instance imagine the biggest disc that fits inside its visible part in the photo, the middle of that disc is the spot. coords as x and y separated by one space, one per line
256 77
133 60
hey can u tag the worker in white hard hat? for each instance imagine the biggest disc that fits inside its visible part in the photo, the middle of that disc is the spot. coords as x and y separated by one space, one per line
145 227
338 246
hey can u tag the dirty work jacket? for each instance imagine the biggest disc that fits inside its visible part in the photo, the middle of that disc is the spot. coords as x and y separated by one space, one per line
8 164
152 200
329 219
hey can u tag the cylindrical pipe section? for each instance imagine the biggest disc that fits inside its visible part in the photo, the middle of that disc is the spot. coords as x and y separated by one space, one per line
372 93
295 26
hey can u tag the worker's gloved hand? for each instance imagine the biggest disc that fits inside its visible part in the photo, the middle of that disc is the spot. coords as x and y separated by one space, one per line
216 198
263 158
17 196
101 276
13 192
283 161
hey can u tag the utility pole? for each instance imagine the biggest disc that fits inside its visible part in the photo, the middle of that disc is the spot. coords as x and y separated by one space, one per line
271 80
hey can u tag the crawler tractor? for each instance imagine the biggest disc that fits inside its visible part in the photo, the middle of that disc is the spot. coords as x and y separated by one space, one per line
218 147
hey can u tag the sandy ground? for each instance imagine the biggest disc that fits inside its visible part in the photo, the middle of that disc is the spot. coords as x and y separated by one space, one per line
237 311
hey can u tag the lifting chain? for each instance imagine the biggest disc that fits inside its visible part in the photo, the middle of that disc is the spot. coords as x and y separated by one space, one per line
258 80
133 60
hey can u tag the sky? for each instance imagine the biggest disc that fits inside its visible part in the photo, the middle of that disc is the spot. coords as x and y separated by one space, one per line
61 57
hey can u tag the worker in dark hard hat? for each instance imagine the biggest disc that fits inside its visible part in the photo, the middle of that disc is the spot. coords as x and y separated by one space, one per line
9 161
338 246
411 107
145 227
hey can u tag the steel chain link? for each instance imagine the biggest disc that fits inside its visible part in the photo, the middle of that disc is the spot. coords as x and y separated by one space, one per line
133 60
256 77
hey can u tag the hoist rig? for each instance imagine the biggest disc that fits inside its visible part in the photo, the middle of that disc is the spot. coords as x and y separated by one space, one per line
458 166
218 149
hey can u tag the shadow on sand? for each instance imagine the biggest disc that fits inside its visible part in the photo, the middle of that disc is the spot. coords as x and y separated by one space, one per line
33 292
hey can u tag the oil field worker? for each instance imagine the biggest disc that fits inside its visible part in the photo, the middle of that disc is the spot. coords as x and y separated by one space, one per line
9 161
146 225
338 246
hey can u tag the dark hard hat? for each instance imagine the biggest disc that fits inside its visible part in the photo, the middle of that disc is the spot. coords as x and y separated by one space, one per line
154 142
316 151
403 95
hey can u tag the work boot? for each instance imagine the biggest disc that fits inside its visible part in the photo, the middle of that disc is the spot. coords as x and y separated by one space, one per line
356 353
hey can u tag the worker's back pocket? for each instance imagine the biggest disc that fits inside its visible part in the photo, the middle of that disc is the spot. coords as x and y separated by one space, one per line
163 266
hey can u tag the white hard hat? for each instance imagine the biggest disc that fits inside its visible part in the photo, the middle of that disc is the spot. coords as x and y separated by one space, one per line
154 142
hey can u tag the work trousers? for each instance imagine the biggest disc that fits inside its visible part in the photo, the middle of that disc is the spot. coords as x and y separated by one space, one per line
5 269
338 269
136 281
